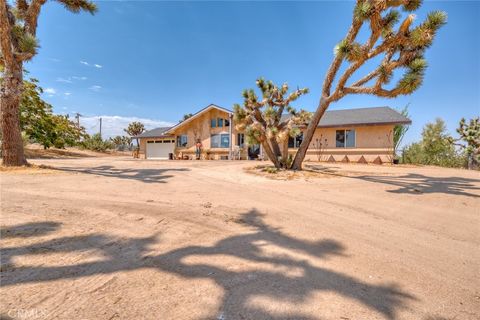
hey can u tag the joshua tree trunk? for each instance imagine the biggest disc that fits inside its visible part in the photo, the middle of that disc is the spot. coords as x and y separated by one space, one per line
10 92
271 155
308 134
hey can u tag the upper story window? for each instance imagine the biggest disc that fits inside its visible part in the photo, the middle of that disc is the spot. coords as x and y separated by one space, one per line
345 138
295 142
219 122
182 140
220 140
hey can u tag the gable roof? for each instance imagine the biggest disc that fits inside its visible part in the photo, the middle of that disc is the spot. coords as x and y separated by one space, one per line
360 116
196 115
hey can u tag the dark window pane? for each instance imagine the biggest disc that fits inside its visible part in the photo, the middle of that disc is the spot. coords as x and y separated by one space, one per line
291 142
220 122
225 140
213 123
215 141
227 123
182 141
240 140
350 138
298 140
340 138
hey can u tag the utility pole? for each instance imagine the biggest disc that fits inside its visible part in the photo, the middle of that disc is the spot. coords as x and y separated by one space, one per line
77 116
100 127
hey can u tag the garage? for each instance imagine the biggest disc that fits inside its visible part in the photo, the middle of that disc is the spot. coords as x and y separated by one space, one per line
160 149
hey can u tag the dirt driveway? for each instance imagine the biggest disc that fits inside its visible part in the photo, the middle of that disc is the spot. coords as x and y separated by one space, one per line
115 238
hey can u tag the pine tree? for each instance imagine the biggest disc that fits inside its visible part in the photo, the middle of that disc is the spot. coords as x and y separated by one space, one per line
401 46
18 43
262 121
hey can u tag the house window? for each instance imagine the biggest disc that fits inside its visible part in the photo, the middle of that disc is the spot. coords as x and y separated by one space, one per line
220 122
240 140
219 140
295 142
227 123
182 140
213 123
345 139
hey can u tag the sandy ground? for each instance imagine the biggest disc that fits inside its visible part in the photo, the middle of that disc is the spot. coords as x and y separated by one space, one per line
117 238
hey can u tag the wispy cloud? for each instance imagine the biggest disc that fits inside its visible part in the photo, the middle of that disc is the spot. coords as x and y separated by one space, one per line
54 59
96 65
50 91
64 80
79 78
95 88
114 125
67 93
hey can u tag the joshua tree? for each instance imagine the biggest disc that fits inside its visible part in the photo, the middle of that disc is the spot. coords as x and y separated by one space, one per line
262 121
18 26
470 134
134 129
400 46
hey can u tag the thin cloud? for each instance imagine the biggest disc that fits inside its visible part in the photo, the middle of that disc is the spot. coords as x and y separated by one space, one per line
79 78
98 66
50 91
113 125
95 88
84 63
64 80
67 93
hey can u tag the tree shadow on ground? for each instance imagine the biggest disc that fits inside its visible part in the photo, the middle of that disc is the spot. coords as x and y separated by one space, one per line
417 184
143 175
413 183
29 230
239 286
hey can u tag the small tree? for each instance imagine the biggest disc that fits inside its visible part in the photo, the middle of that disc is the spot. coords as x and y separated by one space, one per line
18 28
399 132
399 45
435 148
134 129
186 116
470 135
262 121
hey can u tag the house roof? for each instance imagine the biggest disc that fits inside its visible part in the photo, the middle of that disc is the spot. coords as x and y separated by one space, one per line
361 116
332 118
196 115
154 133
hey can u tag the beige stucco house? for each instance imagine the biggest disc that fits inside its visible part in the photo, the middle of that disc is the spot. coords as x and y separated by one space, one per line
353 135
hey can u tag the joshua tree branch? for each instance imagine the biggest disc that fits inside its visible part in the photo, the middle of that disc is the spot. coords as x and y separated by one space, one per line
31 17
5 36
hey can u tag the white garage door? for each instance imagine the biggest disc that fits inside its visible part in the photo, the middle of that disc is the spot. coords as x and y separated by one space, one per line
159 149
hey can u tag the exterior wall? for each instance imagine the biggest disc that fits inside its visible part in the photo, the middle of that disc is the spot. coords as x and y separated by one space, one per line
371 142
200 128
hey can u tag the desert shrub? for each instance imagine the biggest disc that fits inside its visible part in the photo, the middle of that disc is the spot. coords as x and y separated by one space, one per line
96 143
435 148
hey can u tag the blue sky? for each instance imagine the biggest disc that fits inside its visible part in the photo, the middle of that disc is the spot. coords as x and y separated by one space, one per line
157 60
